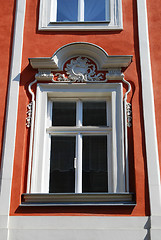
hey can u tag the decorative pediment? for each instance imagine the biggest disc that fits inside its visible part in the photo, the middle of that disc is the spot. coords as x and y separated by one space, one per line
103 61
81 62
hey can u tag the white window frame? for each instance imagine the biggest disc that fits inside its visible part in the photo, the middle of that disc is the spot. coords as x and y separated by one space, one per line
41 149
47 18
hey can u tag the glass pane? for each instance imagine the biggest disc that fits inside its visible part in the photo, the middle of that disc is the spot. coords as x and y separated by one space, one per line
94 164
94 114
62 173
95 10
64 114
67 10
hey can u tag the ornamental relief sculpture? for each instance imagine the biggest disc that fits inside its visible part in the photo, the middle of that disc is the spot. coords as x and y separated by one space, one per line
80 70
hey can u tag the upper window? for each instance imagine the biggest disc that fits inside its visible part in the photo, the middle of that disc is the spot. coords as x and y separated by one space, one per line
80 14
80 11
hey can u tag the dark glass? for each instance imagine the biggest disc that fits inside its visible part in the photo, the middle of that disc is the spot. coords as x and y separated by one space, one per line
67 10
94 164
62 173
64 114
94 114
94 10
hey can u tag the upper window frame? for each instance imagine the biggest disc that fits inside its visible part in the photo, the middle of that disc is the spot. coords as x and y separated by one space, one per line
46 22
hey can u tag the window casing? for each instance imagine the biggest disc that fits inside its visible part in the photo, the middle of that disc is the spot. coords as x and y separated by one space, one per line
80 15
110 135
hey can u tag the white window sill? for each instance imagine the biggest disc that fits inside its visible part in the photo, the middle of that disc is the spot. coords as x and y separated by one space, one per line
80 26
79 199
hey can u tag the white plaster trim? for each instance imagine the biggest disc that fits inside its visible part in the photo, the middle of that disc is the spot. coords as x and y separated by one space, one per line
78 222
149 112
85 49
12 107
78 227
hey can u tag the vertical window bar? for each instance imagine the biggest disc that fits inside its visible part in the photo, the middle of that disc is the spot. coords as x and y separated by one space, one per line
107 113
109 163
79 114
53 11
114 144
80 10
78 170
107 10
78 181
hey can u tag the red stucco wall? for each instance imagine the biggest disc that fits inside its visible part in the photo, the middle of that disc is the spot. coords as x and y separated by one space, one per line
154 13
44 44
7 11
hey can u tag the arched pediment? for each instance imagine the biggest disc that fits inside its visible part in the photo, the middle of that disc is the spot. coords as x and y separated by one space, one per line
83 49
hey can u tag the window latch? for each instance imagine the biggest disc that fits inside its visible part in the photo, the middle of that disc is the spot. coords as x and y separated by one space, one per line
75 162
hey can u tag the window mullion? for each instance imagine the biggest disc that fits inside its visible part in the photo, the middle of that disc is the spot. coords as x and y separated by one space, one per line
78 173
79 114
78 181
80 10
107 10
53 11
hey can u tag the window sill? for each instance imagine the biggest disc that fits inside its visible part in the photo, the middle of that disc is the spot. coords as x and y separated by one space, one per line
80 27
79 199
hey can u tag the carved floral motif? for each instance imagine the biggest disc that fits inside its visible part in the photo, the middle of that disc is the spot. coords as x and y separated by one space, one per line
80 70
129 114
29 115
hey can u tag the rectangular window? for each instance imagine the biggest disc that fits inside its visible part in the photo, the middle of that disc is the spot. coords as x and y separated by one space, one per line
78 160
80 15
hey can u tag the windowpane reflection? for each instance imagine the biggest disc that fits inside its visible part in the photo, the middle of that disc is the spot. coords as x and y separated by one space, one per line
94 114
62 174
64 114
94 164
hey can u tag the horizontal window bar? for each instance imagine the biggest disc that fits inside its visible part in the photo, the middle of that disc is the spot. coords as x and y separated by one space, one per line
76 130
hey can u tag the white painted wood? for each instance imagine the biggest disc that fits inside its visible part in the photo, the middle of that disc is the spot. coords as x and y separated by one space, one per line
81 10
53 11
79 113
79 164
114 145
149 112
75 130
110 163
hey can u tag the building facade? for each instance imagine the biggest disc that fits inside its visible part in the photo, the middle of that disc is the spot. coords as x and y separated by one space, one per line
80 120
